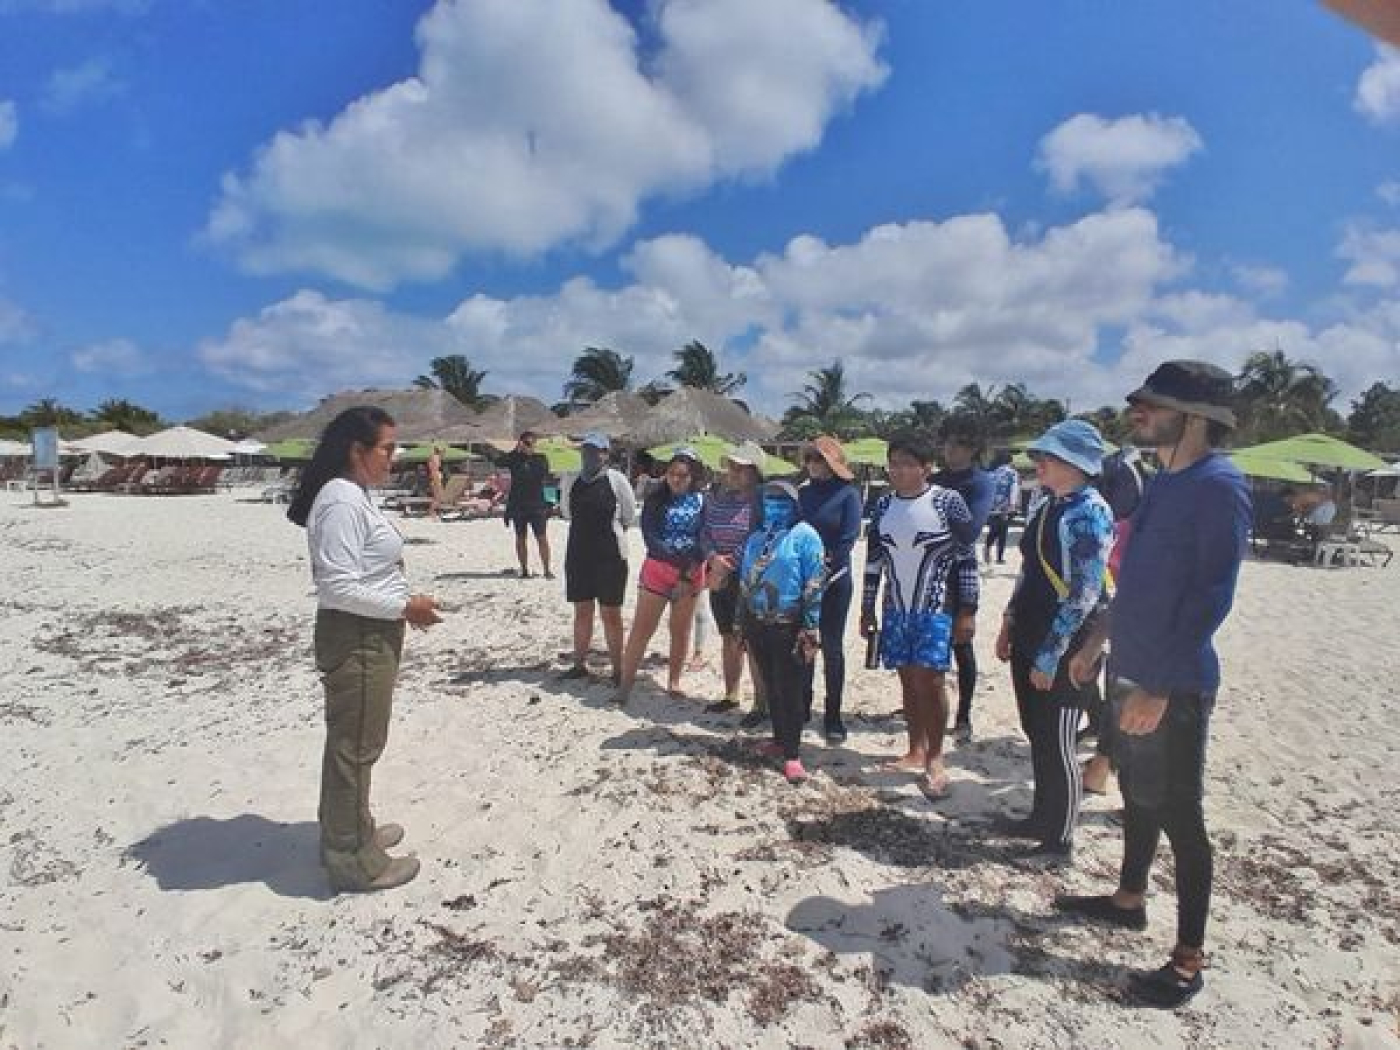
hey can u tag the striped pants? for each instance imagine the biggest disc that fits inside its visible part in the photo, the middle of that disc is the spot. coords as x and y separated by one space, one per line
1050 720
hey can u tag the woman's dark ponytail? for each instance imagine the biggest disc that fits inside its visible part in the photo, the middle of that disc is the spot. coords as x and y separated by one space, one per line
355 426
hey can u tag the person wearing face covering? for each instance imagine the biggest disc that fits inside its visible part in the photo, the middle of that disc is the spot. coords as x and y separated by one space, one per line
600 508
781 575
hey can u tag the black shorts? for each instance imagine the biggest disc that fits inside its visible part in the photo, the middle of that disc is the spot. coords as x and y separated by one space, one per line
589 580
724 604
532 519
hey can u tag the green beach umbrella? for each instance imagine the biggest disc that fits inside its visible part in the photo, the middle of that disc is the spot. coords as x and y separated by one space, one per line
870 452
419 454
293 450
1256 466
563 456
711 451
1316 450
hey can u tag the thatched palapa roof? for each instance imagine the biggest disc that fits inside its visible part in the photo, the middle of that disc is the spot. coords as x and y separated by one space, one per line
618 415
420 414
690 413
504 420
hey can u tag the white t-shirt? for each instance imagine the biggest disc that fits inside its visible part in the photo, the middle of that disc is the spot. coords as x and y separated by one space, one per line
356 554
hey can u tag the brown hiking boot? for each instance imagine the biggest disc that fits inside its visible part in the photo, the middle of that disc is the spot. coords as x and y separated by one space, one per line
401 870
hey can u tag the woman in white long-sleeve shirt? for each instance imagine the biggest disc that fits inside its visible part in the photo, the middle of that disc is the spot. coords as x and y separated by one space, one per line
363 602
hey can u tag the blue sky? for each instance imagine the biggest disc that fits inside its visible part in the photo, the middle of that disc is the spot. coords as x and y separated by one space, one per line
260 203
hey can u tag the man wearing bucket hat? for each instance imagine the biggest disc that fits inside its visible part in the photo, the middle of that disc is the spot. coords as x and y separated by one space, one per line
1064 556
1175 588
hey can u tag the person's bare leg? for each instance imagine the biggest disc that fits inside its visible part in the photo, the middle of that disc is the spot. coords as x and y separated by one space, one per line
1096 772
645 619
583 632
522 553
933 703
732 655
916 758
611 615
542 537
682 619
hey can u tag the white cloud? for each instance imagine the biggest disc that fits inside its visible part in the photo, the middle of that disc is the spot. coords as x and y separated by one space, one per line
16 325
1374 256
1259 280
115 358
1389 192
9 123
534 123
88 82
1123 159
1378 90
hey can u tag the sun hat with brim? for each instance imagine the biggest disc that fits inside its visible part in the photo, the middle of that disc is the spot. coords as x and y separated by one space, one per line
1076 442
595 440
830 450
785 489
1197 388
747 454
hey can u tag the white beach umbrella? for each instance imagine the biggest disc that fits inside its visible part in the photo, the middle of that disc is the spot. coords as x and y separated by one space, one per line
109 443
184 443
14 449
249 447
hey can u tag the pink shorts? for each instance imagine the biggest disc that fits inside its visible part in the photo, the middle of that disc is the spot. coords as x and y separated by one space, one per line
663 578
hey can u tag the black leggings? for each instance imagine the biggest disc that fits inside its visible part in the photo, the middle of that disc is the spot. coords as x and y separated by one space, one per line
774 651
966 657
836 604
1162 775
1049 719
997 527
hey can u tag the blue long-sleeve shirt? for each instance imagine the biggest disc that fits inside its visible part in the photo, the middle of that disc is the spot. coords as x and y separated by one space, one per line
832 507
978 489
671 528
781 575
1177 579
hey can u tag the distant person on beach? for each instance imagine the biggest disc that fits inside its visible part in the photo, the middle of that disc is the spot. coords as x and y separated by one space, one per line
1006 497
526 508
435 481
962 448
781 572
1064 559
831 505
673 573
600 509
931 590
363 603
1175 588
732 512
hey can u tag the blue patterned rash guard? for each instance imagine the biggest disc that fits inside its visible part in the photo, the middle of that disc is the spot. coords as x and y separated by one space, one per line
671 528
913 548
1064 565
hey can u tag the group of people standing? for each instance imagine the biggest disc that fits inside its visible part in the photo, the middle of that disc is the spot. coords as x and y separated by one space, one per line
774 562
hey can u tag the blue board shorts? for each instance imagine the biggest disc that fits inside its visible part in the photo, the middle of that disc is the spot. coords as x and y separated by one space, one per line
916 639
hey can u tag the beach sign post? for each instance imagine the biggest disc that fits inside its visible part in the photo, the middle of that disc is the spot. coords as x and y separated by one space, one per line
45 443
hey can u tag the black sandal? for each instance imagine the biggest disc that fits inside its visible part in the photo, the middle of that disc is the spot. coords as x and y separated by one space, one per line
1168 988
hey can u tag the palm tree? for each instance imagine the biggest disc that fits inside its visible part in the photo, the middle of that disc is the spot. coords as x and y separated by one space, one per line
598 371
1280 397
698 368
48 412
826 404
455 374
120 414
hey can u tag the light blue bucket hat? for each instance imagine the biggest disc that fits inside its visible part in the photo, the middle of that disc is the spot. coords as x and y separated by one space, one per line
1076 442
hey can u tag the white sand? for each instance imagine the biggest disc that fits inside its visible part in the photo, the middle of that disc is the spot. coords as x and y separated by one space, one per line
608 878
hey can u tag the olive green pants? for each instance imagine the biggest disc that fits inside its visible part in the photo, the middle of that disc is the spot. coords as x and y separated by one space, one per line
359 660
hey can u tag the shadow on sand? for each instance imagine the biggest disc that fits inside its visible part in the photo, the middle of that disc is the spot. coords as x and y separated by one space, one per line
204 853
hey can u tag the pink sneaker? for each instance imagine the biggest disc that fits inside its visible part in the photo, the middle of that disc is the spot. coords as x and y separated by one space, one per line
794 771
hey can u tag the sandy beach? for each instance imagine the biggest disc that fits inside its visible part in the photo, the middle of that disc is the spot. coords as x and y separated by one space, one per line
608 878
